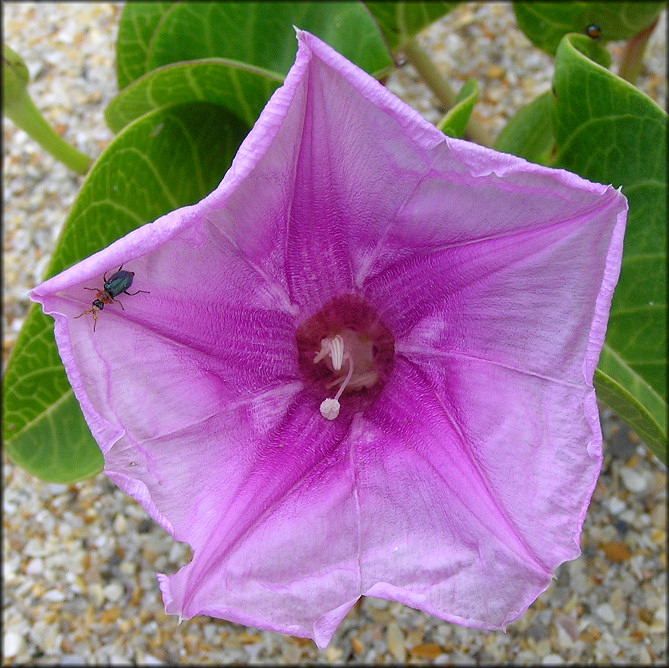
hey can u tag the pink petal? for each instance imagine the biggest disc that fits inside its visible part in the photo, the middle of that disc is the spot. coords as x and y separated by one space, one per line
525 299
435 534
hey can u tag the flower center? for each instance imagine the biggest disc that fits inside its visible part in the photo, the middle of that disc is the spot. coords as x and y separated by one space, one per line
344 349
359 354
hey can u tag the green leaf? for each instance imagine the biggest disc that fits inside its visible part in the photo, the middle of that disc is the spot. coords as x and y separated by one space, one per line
262 33
400 21
43 428
454 123
608 131
166 159
646 415
546 23
529 134
138 22
239 88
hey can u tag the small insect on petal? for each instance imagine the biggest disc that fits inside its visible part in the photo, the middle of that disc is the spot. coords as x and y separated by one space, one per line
118 283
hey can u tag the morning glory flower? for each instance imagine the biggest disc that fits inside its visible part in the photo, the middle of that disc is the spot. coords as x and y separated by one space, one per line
364 365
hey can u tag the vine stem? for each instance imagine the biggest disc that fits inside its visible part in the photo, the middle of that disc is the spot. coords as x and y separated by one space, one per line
630 65
25 115
442 90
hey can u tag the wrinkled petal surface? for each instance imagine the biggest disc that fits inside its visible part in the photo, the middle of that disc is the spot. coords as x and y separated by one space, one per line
472 471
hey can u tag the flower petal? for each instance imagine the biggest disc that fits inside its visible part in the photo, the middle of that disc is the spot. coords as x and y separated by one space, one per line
459 496
272 522
527 299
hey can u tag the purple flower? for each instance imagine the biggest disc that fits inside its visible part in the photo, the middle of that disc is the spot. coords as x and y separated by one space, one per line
364 366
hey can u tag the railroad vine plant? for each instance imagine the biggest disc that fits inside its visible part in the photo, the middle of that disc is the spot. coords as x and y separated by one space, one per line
337 350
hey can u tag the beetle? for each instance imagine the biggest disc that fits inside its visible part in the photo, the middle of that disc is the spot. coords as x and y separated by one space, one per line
118 283
593 31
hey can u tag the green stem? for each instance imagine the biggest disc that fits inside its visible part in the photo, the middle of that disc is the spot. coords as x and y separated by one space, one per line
25 115
442 89
630 65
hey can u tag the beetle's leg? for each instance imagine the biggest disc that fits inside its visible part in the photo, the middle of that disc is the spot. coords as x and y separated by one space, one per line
116 301
85 288
132 294
87 311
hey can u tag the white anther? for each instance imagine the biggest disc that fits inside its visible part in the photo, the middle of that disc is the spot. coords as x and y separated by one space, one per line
337 352
323 352
330 409
333 347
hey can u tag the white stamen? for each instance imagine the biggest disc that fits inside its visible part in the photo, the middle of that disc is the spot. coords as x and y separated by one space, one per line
333 347
367 379
337 352
323 352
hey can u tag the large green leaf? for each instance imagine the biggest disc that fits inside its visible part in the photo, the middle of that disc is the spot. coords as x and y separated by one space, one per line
166 159
546 23
400 21
262 33
607 131
454 123
239 88
43 428
529 133
633 399
135 30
